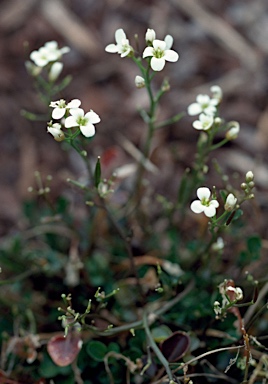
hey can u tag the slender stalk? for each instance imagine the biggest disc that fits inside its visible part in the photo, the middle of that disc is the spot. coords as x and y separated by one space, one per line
155 348
126 244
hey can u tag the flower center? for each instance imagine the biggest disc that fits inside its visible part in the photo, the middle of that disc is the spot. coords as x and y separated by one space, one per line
82 120
61 103
158 53
205 202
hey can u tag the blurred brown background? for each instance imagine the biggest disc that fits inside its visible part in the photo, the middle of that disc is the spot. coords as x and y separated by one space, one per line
219 42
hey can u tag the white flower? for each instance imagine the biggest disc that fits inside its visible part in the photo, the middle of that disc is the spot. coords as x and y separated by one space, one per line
160 54
230 202
203 104
56 132
139 82
122 46
55 71
150 35
84 121
217 308
216 92
204 123
237 291
204 204
60 107
232 133
48 53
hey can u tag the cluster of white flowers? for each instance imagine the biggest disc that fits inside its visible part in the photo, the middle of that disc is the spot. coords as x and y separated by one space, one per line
50 52
159 50
208 206
206 108
47 56
76 118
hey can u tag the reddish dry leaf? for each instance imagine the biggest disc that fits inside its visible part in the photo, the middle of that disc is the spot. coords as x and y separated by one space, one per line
64 350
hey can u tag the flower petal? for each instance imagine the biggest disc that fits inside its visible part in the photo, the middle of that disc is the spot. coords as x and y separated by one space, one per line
210 211
119 35
198 125
88 130
157 64
203 193
194 109
92 117
75 103
58 113
77 112
171 55
149 51
197 207
203 99
169 41
70 122
214 203
111 48
159 44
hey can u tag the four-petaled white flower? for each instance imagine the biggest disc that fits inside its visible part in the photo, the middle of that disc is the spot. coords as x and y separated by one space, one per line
204 204
230 202
160 53
60 107
203 104
48 53
84 121
204 123
122 46
56 132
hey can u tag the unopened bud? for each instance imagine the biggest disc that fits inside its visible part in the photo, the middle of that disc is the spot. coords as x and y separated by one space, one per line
230 202
55 71
249 176
232 133
56 132
150 35
139 82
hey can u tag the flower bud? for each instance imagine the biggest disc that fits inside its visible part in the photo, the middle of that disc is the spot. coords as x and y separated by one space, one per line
139 82
32 69
218 245
230 202
216 92
249 176
56 132
233 131
150 35
55 71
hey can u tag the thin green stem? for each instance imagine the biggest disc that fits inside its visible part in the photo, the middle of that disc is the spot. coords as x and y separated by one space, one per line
155 348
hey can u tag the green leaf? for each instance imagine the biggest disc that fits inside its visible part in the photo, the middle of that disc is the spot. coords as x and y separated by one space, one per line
96 350
97 174
161 333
